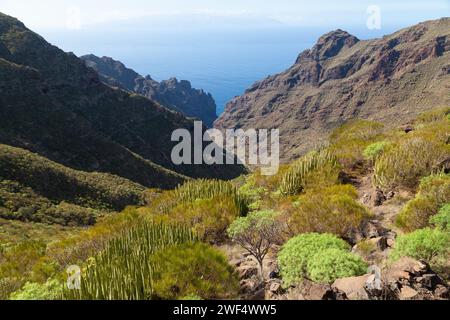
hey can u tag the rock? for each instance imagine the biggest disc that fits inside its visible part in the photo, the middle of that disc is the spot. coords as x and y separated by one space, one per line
320 89
372 229
378 198
274 274
353 287
390 195
429 281
405 269
442 292
321 292
247 272
295 294
408 293
236 262
390 243
407 128
275 287
414 279
380 243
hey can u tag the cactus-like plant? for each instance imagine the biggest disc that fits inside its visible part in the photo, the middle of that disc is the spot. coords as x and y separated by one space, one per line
202 190
294 180
123 271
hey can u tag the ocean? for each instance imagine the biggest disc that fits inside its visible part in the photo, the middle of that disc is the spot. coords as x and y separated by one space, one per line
224 63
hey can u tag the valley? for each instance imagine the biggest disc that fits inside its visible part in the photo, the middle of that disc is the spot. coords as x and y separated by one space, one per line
359 208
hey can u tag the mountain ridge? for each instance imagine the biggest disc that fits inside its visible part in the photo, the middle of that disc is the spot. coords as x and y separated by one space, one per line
53 105
341 78
173 94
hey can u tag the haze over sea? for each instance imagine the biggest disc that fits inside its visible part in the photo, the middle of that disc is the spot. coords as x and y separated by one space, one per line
224 63
220 46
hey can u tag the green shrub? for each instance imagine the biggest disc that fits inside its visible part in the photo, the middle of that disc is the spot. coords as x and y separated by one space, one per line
333 210
77 248
350 140
123 270
51 290
296 178
430 245
195 190
433 115
59 183
18 260
434 191
373 151
331 264
193 270
208 218
295 255
417 213
406 162
442 219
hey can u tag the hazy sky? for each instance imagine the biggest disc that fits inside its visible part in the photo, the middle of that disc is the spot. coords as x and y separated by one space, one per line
84 14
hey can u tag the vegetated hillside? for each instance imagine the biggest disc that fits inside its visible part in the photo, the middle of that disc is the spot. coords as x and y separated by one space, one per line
173 94
33 188
390 80
52 104
373 197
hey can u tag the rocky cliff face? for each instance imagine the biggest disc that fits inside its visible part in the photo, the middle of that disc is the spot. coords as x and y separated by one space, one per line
341 78
173 94
53 105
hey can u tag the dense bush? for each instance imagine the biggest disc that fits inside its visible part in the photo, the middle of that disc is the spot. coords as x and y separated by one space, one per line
433 192
124 269
350 140
51 290
430 245
17 264
77 248
331 264
193 270
333 210
295 255
433 115
58 183
442 219
406 162
373 151
208 218
199 190
17 261
295 180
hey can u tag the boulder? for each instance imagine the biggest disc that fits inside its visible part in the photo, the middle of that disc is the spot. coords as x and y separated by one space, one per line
353 287
414 280
405 269
381 243
408 293
274 290
442 292
247 272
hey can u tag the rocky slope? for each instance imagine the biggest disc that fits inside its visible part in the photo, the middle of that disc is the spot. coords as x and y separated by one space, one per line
173 94
341 78
53 105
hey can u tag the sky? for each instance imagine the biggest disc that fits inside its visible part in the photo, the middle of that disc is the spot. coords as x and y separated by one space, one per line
45 15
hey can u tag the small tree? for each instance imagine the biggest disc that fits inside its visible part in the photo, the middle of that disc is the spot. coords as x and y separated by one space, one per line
257 233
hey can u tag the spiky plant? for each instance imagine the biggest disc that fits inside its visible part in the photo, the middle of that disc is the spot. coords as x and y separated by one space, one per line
123 271
202 190
294 180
